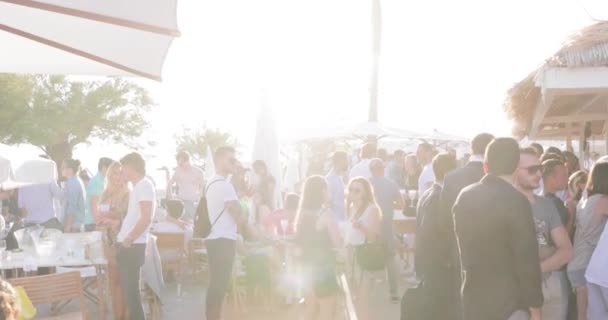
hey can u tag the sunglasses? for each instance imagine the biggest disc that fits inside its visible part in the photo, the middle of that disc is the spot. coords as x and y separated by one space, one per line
533 169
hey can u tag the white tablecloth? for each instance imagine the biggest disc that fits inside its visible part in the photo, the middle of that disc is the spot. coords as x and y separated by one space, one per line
152 270
68 252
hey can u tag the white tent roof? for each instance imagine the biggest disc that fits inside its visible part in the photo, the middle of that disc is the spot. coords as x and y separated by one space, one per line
359 131
109 37
36 171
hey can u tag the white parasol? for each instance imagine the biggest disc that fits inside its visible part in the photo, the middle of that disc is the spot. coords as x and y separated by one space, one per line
266 145
209 164
101 37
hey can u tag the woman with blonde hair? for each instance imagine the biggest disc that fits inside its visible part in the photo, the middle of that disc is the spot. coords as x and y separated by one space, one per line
9 303
318 236
113 205
366 219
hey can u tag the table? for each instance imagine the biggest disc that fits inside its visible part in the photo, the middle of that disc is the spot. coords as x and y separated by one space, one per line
65 250
403 224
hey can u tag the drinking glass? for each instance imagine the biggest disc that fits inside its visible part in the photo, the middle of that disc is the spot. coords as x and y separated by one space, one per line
2 247
413 195
284 225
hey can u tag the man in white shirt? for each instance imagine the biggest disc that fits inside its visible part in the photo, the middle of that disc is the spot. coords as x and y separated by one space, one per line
190 181
425 154
361 169
134 232
224 214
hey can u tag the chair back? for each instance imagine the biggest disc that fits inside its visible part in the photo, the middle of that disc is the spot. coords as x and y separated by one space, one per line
53 288
171 241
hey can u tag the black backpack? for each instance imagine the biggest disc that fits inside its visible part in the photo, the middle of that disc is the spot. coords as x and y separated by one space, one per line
202 223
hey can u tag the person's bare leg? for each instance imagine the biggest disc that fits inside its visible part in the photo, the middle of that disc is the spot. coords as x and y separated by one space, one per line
581 303
363 297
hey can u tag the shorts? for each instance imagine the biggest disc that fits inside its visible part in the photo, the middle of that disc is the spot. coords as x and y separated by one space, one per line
577 278
189 210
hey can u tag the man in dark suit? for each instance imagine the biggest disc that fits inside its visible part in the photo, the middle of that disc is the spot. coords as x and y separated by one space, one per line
497 243
454 182
471 173
432 247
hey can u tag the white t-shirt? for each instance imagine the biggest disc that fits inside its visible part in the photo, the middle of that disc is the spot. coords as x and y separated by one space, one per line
142 191
596 270
218 194
427 177
361 169
189 183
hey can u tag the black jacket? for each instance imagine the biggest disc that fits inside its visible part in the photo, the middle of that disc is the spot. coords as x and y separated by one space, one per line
498 250
431 233
453 184
459 179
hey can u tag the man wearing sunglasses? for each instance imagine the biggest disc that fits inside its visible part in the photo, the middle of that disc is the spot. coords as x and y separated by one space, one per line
501 276
555 248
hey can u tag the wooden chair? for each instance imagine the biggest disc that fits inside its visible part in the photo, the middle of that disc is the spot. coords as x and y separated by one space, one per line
172 249
55 288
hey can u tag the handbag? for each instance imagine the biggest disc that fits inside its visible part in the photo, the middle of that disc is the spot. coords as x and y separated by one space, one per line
371 256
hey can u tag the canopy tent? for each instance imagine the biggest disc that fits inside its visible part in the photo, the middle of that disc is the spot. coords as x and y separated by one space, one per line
36 171
567 96
360 131
437 137
110 37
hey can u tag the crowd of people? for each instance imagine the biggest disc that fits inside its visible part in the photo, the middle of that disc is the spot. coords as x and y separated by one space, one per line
120 201
512 233
517 233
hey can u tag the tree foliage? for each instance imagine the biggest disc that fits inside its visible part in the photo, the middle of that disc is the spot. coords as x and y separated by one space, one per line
56 113
198 141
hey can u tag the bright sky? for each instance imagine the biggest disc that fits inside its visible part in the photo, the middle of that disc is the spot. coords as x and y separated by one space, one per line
445 65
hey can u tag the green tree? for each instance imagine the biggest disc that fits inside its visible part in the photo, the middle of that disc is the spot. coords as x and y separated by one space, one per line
55 113
198 141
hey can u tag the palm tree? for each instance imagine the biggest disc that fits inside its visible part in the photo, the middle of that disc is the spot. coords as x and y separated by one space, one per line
376 38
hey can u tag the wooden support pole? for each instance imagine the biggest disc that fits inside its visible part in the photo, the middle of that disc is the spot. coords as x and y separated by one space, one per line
569 137
581 145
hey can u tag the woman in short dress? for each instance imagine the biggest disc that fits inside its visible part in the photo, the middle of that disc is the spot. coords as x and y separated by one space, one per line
317 237
113 206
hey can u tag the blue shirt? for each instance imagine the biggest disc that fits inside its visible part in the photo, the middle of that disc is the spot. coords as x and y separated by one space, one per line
38 201
95 189
75 201
336 187
386 192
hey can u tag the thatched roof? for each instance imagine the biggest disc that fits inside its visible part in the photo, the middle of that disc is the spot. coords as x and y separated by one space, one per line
587 48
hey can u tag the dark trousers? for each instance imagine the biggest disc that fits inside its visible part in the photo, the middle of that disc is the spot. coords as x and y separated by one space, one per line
220 254
441 302
129 262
